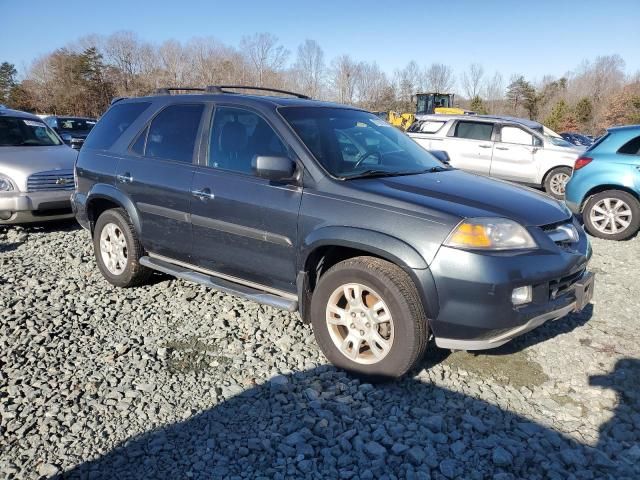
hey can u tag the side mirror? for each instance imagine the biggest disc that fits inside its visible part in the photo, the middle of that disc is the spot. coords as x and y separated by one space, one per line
441 155
273 168
537 142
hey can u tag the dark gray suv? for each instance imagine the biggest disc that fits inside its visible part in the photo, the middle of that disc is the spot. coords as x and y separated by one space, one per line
326 210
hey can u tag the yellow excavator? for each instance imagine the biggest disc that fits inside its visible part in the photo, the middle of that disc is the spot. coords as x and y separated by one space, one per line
427 103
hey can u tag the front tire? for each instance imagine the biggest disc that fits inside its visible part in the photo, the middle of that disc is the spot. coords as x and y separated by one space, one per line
368 318
556 181
118 250
612 214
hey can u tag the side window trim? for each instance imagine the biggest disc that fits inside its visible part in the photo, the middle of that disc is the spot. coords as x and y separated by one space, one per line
147 126
206 144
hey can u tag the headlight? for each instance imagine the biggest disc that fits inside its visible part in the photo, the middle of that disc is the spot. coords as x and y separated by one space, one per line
490 234
6 185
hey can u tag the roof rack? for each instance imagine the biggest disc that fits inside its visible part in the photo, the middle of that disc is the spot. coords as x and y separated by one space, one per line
168 90
221 88
224 88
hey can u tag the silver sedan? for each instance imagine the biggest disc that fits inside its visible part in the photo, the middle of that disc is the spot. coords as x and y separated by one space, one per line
36 170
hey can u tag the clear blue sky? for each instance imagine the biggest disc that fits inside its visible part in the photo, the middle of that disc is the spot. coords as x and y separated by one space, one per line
533 38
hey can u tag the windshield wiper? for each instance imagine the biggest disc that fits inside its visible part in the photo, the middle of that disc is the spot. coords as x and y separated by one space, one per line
386 173
372 173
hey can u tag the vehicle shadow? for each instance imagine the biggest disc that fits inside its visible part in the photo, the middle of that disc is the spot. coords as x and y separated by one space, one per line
322 423
9 246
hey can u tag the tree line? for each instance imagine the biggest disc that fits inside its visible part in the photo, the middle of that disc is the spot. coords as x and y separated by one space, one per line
83 77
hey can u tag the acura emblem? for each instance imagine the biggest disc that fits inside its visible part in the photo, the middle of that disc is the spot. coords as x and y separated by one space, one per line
62 181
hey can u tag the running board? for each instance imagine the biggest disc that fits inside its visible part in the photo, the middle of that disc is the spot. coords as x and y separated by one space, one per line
220 284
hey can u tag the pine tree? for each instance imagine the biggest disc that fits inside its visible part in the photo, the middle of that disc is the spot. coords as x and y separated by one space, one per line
7 80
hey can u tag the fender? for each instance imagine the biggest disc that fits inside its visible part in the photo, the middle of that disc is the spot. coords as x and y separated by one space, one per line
603 179
381 244
109 192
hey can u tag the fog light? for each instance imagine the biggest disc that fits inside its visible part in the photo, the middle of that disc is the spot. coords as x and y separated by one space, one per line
5 215
522 295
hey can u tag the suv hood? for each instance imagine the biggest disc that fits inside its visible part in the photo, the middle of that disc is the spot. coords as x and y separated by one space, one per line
466 195
20 162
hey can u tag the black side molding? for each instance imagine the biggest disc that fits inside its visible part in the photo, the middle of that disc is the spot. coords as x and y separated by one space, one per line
221 284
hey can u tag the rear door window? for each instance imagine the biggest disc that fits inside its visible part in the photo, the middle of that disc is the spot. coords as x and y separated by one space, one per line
473 130
113 124
426 126
632 147
173 133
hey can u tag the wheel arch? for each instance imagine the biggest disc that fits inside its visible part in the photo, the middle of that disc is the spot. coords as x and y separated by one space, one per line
608 186
327 246
104 197
555 167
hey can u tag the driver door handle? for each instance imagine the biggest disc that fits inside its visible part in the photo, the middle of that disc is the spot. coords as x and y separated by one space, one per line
203 194
502 148
124 178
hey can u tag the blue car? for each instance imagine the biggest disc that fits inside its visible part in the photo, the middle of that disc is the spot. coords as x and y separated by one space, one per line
605 185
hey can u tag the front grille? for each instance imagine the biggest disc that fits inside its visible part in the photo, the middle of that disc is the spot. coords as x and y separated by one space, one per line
562 234
559 287
52 180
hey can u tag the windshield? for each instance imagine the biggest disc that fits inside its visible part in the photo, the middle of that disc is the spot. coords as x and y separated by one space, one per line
558 141
76 124
18 132
349 143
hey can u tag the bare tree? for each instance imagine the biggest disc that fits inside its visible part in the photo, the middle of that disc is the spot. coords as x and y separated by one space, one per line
493 91
472 80
407 83
439 78
344 77
132 58
373 87
264 55
173 60
310 68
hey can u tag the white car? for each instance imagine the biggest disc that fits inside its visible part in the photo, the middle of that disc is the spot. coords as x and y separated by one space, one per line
509 148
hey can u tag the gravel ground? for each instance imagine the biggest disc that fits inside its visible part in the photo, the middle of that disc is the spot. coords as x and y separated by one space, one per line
172 380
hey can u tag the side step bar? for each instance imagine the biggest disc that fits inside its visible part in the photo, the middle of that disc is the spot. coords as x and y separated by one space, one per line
220 284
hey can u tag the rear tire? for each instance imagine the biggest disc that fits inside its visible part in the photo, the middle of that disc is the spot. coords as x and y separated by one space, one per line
118 250
612 214
368 318
556 181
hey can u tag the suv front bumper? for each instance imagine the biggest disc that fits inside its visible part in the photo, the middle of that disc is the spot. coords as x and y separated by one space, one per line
474 293
22 207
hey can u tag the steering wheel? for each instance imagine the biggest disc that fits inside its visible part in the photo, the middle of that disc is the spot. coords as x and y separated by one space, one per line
364 156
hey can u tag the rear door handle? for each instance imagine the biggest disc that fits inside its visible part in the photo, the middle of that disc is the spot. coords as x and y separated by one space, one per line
203 194
484 146
124 178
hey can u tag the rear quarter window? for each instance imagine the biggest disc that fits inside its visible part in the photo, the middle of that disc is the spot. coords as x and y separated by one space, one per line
632 147
113 124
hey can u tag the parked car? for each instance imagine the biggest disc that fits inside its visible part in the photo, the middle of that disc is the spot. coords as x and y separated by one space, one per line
499 147
605 186
577 139
327 210
72 130
36 170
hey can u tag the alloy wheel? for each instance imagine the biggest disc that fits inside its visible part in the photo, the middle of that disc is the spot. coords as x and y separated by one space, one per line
113 248
610 216
359 323
558 183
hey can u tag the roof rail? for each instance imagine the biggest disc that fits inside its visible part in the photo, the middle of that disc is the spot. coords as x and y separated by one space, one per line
168 90
117 99
224 88
221 88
